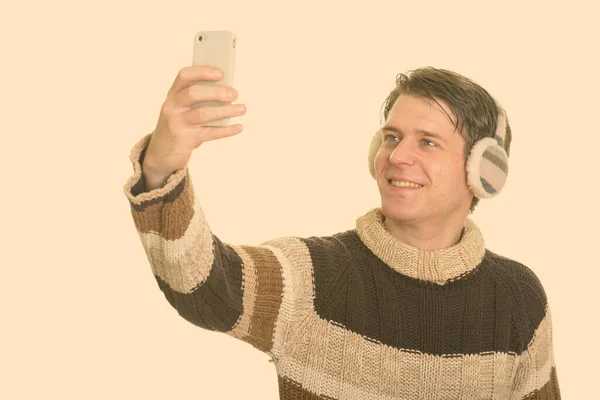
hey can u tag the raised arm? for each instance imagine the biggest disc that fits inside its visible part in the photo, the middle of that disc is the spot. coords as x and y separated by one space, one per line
258 294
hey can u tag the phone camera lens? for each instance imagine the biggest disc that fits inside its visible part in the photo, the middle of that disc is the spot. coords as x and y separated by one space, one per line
200 38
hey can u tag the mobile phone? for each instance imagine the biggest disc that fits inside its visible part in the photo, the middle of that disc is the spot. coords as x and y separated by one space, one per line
216 49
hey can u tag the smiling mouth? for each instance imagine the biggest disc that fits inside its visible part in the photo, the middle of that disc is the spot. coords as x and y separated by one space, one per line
404 184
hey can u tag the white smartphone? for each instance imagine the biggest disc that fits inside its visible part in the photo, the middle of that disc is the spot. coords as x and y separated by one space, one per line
216 49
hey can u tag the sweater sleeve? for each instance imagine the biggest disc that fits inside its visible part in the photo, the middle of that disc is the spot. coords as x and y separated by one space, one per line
258 294
536 376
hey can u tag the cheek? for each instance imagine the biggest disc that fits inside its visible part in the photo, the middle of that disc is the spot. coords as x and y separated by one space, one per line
449 173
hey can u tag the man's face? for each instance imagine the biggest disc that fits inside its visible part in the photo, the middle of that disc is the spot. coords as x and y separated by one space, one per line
438 163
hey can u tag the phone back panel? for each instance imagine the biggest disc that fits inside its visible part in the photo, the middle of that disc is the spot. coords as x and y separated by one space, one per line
216 49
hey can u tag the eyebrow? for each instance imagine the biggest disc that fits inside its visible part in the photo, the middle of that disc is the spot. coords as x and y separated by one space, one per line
420 131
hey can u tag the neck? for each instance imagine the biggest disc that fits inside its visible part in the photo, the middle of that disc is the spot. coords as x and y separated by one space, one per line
429 235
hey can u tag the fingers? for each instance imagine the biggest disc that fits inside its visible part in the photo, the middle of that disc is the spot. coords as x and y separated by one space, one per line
202 115
197 92
209 133
190 74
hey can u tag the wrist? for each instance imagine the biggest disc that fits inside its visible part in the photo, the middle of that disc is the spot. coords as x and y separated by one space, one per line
152 179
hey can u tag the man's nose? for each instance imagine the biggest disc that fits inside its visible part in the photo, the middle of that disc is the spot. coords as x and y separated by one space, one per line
404 152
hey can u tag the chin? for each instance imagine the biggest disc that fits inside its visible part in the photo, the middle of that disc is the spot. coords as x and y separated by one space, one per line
399 212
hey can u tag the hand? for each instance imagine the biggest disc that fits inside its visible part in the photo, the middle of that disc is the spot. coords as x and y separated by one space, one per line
179 130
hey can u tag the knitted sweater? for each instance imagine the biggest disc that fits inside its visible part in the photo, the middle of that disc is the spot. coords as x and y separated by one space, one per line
355 315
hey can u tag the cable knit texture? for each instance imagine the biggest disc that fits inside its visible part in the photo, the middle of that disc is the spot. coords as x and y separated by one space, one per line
440 266
358 314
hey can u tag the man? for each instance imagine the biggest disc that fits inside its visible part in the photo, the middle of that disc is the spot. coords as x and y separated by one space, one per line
408 305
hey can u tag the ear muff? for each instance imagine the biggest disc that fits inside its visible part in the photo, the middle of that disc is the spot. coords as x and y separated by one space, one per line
487 164
373 148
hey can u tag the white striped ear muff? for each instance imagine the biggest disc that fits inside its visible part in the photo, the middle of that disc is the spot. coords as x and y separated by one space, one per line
487 164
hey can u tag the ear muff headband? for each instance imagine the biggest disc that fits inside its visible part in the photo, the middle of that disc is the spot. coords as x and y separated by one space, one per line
487 165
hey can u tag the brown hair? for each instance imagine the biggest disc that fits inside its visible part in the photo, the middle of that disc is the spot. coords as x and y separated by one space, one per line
475 109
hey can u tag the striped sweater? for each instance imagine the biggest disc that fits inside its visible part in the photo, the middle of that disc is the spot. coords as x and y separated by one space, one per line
355 315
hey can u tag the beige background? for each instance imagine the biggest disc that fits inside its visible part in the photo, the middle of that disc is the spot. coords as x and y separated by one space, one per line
81 82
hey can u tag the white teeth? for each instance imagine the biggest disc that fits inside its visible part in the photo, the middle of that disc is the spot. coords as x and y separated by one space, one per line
405 184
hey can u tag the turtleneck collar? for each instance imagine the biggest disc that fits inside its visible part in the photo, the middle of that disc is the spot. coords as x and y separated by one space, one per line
437 266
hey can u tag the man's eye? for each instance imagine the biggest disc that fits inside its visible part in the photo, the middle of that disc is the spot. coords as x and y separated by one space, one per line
429 141
388 138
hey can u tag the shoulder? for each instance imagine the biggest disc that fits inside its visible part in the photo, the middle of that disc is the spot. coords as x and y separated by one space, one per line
331 250
324 258
523 276
519 282
339 243
335 241
319 251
